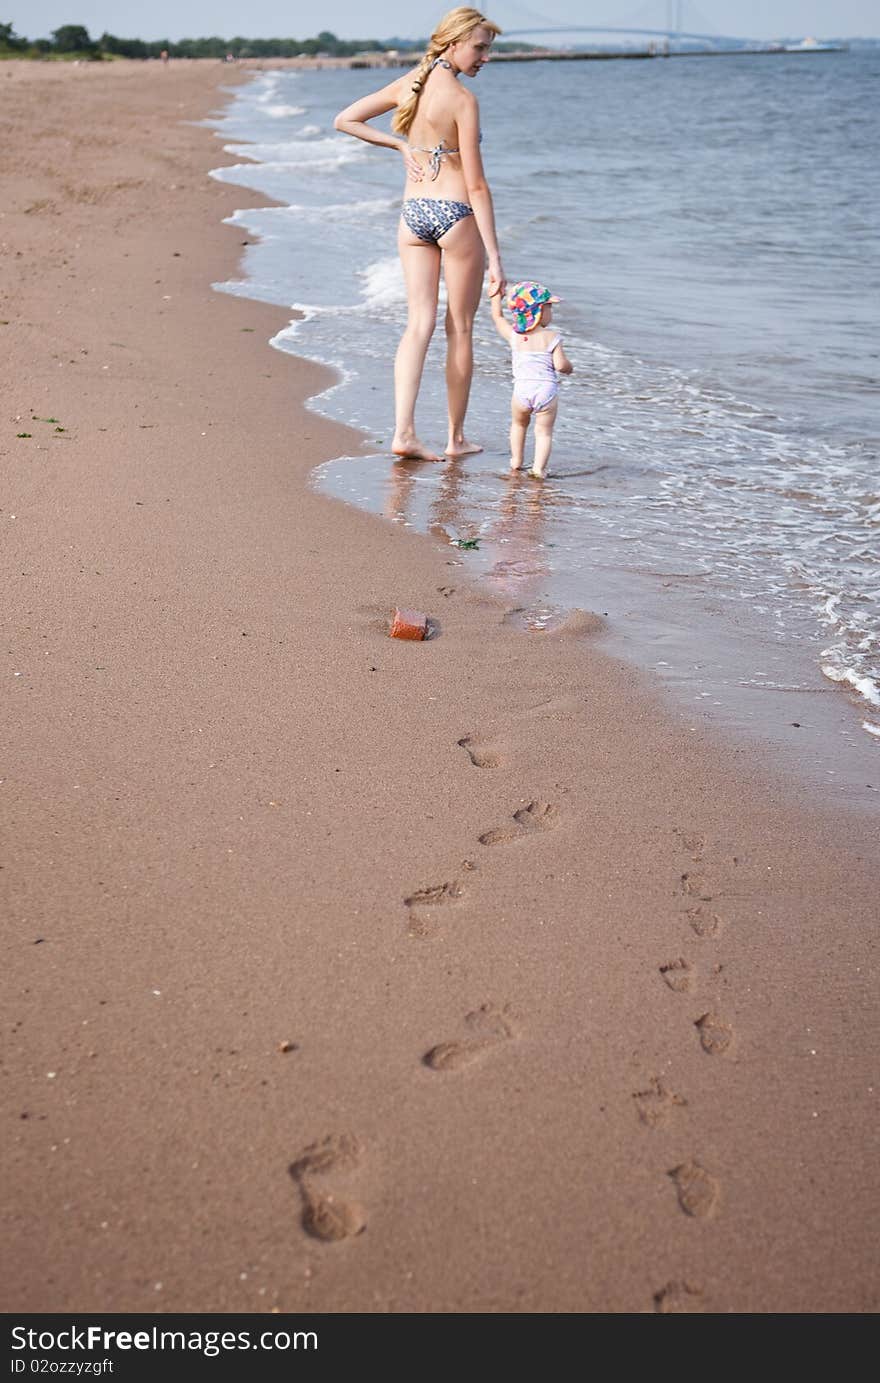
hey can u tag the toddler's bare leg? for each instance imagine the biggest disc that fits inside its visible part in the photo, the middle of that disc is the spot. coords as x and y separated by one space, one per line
519 422
544 421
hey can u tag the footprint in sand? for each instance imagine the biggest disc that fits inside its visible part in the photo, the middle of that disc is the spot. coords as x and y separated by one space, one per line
716 1036
324 1216
655 1105
434 896
678 1299
479 757
567 704
705 924
692 842
376 617
490 1025
697 1191
537 816
678 975
695 886
425 900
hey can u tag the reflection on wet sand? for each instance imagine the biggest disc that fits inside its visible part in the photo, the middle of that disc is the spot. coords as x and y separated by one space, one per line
399 491
516 540
514 557
447 514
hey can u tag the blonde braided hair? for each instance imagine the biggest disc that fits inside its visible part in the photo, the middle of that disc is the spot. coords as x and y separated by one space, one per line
453 28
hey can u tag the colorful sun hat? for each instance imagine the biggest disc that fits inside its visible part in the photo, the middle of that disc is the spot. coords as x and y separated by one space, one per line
525 300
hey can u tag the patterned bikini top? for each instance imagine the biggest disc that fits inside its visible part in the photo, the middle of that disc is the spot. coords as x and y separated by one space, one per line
439 151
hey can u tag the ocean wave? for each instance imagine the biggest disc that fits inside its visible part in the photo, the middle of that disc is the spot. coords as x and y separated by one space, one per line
281 112
371 206
296 151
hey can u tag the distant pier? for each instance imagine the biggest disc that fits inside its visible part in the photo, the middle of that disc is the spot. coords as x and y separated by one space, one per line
397 59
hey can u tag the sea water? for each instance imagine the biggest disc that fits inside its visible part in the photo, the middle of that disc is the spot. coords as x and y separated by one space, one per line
711 224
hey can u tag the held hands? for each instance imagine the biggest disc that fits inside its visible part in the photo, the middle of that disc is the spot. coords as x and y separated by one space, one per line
497 279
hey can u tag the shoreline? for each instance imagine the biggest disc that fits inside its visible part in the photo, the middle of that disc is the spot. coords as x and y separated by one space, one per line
263 862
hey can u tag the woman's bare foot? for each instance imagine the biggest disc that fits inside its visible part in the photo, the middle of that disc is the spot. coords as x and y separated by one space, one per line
462 448
538 475
516 463
411 449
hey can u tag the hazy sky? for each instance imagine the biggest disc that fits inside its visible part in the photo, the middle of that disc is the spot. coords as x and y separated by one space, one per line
176 19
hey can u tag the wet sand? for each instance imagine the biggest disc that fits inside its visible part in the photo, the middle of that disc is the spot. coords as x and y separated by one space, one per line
343 974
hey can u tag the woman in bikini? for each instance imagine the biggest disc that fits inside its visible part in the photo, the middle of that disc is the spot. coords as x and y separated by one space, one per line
441 156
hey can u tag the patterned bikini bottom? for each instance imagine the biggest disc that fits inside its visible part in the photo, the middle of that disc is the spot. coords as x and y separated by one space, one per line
431 217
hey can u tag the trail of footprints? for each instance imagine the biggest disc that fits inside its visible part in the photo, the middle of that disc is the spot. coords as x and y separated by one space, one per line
696 1190
330 1218
326 1215
424 904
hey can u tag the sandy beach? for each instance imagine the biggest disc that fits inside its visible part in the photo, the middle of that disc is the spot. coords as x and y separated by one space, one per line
345 974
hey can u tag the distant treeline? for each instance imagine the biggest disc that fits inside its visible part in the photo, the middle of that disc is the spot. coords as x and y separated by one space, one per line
74 41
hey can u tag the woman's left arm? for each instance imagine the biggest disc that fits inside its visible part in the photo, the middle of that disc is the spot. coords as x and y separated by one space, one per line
353 121
467 120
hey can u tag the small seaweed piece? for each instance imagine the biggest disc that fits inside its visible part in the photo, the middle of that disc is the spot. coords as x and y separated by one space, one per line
466 543
35 419
24 434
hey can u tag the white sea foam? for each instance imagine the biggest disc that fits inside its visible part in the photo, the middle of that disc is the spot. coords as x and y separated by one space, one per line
383 283
239 172
296 153
375 206
249 173
310 312
865 686
267 85
282 112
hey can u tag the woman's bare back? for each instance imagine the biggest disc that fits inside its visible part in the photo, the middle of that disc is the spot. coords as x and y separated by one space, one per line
434 132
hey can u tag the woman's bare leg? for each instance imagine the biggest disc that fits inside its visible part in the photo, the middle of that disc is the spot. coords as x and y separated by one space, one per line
421 272
464 264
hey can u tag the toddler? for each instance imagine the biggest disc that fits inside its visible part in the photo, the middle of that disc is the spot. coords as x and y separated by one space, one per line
538 360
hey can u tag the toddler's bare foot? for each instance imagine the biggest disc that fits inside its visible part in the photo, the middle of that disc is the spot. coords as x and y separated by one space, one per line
411 449
462 447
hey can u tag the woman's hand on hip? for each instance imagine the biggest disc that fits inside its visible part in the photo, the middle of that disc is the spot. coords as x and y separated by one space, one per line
414 169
